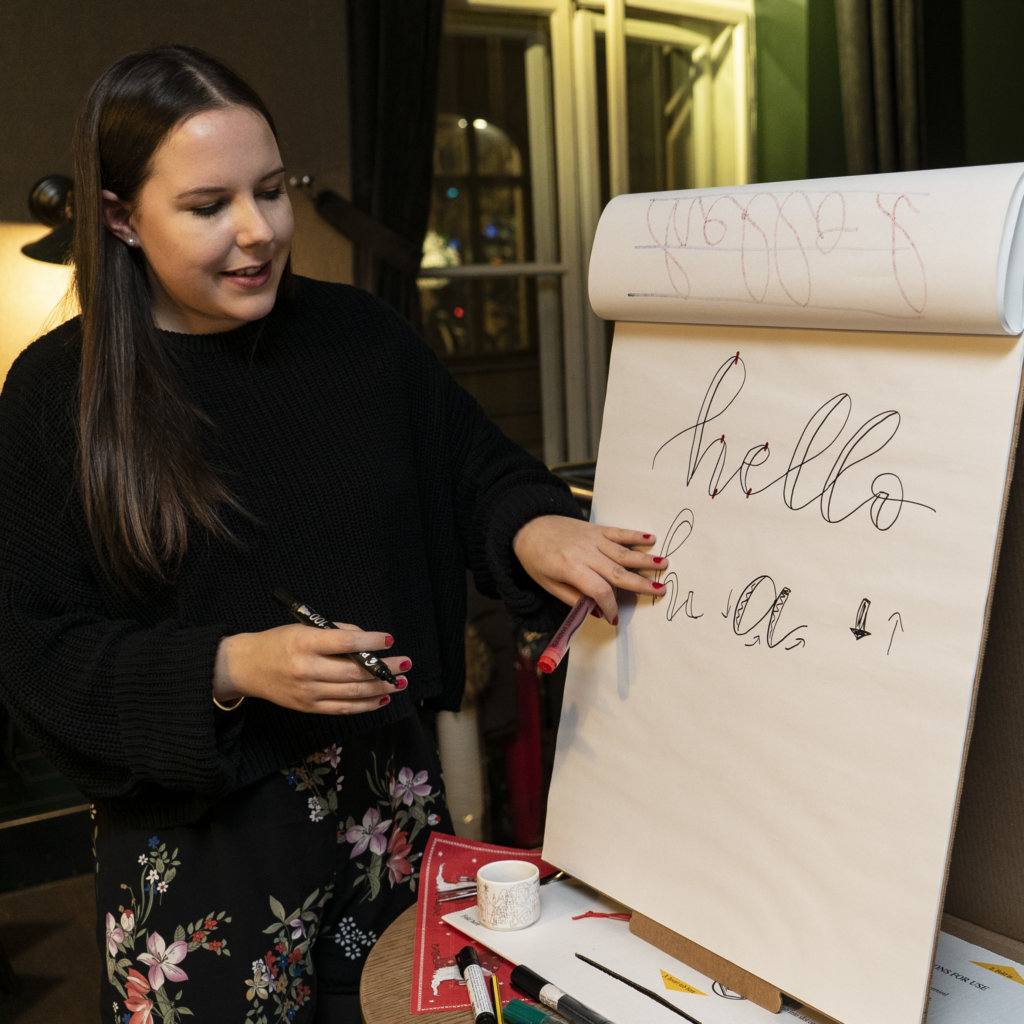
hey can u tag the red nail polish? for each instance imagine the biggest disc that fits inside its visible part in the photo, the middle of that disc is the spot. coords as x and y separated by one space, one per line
658 586
615 621
405 665
658 559
648 536
383 701
389 640
401 683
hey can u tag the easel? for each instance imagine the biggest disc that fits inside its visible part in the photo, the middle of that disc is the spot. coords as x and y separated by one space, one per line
719 892
750 986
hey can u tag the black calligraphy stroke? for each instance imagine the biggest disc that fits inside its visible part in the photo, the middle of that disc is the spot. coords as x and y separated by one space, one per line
778 601
820 435
673 602
675 537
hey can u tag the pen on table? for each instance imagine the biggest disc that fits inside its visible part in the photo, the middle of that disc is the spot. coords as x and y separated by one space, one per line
456 894
533 985
305 614
518 1012
555 651
496 996
469 967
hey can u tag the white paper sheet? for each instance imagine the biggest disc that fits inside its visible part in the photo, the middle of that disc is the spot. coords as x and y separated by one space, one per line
767 759
969 985
549 948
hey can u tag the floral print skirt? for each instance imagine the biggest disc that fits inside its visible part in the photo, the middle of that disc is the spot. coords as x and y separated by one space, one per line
273 897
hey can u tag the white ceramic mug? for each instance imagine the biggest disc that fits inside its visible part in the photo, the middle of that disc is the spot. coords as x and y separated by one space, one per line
508 895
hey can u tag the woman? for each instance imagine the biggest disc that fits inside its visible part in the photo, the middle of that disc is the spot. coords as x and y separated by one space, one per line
209 429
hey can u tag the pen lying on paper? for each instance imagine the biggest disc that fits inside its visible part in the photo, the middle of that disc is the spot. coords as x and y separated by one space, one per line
533 985
305 614
555 651
639 988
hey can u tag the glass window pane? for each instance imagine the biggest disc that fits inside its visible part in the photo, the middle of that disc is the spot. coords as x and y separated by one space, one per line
479 316
451 146
487 328
660 101
481 162
449 239
502 230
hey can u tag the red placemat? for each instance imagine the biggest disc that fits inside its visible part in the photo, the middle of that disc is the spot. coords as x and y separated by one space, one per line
449 870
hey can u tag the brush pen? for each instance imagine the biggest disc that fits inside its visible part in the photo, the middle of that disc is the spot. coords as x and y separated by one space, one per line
533 985
518 1012
305 614
555 651
469 967
639 988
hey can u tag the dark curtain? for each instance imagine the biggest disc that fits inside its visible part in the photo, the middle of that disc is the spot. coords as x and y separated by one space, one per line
881 80
394 48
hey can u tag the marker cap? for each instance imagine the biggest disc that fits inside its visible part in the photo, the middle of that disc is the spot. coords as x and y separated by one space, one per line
547 664
518 1012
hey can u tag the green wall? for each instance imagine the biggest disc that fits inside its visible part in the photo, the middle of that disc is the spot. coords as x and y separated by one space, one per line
780 32
993 81
973 78
798 107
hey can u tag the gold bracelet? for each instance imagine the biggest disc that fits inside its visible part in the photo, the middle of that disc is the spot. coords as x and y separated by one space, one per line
229 707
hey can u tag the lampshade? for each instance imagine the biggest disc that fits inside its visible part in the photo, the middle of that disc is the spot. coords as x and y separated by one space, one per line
54 247
50 202
34 297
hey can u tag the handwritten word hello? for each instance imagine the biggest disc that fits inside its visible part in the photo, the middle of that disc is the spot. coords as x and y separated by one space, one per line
819 461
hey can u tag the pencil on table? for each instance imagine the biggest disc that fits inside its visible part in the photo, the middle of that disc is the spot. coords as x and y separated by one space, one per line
496 993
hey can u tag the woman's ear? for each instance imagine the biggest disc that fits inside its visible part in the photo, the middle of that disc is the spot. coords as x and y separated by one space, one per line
117 217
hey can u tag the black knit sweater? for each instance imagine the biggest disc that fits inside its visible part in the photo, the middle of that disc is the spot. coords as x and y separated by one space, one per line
372 483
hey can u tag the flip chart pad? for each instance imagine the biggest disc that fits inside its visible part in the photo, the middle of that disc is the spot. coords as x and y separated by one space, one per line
767 759
926 251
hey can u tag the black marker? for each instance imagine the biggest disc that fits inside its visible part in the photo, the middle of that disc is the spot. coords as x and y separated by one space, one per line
533 985
305 614
470 969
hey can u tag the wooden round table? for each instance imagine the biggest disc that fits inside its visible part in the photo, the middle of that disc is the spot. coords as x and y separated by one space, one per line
385 991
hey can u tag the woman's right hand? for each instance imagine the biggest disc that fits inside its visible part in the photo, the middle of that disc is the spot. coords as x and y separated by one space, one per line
300 667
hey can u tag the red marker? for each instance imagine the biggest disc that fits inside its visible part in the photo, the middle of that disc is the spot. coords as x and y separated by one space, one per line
555 651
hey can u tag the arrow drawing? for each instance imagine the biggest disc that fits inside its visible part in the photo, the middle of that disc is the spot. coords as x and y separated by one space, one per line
898 625
859 629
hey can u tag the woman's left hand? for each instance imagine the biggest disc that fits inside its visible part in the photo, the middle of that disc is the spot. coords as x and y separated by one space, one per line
570 557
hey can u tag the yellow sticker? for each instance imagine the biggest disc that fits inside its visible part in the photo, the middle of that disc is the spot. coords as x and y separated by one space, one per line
1003 970
675 985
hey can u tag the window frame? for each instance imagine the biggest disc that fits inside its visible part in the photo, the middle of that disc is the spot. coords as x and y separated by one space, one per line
565 165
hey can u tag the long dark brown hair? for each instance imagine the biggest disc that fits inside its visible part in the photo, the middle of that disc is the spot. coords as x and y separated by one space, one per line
144 479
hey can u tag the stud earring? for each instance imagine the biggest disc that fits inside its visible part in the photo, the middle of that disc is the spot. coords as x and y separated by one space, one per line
131 239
